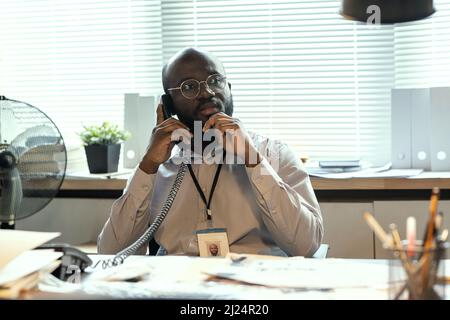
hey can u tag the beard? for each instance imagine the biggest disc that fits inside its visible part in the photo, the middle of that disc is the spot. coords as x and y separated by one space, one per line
229 106
188 119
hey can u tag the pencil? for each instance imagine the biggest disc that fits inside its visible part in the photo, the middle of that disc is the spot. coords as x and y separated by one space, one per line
429 239
398 245
375 226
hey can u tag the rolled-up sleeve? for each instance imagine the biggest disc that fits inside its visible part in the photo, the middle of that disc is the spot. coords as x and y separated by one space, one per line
129 216
291 211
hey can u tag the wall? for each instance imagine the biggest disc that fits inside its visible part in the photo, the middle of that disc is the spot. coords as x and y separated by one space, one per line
346 231
79 220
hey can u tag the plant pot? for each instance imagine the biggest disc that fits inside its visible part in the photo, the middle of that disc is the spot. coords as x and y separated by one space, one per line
102 158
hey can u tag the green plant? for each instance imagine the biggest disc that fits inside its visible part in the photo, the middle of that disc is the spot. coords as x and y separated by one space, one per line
105 134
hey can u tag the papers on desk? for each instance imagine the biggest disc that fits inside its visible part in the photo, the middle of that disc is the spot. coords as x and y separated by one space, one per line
85 175
432 175
17 242
378 172
24 271
301 273
181 277
20 267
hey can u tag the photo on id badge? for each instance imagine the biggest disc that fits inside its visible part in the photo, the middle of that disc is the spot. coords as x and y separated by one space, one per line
213 242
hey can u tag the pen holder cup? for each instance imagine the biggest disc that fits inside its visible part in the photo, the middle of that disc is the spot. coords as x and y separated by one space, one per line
417 273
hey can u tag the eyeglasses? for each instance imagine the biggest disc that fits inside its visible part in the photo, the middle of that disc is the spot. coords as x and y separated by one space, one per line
190 88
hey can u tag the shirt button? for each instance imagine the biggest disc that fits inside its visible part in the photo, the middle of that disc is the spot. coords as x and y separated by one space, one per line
204 189
145 188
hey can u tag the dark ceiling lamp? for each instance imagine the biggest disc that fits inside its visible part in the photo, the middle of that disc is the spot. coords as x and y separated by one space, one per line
391 11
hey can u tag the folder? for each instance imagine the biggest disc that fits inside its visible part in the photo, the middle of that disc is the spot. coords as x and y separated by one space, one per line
440 129
401 128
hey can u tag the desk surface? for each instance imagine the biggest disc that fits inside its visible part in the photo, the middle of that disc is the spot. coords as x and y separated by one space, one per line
318 184
327 190
180 277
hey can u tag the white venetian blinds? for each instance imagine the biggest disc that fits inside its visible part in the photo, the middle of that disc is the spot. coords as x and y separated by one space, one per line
74 59
299 72
422 50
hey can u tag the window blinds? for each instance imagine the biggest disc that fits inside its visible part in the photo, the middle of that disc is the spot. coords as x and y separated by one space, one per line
422 50
299 72
75 59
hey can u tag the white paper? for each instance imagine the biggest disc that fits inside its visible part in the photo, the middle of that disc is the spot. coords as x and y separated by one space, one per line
393 173
86 175
181 277
379 172
351 174
27 263
320 274
14 242
432 175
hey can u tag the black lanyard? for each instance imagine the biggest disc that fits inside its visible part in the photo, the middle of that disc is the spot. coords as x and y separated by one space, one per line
199 189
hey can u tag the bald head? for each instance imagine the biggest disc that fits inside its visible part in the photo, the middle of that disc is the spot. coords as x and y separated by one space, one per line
188 57
198 65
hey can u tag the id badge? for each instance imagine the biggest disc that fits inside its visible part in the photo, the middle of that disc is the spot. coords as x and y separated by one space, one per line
213 242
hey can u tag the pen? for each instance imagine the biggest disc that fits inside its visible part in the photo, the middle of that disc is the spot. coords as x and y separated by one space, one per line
237 260
411 235
398 245
429 239
375 226
396 237
438 225
432 222
439 218
444 235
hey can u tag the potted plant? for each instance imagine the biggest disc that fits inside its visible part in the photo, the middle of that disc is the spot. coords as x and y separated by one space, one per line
102 146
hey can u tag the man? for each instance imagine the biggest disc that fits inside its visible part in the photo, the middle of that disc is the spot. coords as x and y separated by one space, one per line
213 249
266 203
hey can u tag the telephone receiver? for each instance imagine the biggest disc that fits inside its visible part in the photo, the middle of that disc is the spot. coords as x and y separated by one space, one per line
73 260
168 109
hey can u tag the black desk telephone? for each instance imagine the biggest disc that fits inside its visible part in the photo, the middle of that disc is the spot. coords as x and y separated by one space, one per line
72 261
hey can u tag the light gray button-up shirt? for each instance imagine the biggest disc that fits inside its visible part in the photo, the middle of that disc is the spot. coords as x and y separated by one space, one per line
268 209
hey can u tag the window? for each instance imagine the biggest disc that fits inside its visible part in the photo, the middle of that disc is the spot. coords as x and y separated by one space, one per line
299 72
75 59
422 51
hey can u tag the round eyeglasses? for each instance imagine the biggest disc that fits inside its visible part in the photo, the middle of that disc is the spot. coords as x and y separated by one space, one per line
190 88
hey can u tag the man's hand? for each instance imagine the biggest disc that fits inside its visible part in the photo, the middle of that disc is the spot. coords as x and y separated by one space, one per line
161 145
235 138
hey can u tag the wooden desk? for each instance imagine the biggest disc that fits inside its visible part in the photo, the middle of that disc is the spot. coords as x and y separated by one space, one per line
329 190
379 184
181 277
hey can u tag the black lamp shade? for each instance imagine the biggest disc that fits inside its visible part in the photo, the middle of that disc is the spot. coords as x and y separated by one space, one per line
391 11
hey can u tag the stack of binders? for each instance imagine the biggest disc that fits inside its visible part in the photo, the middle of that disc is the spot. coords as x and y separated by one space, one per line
419 129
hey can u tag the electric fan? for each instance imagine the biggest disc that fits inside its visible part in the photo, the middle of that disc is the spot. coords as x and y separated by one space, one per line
33 161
